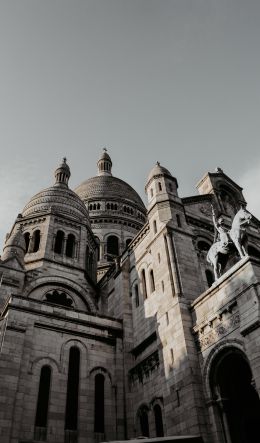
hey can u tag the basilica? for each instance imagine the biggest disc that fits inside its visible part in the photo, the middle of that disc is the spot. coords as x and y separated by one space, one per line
121 321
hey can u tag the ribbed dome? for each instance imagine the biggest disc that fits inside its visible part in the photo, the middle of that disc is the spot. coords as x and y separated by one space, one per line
58 199
108 187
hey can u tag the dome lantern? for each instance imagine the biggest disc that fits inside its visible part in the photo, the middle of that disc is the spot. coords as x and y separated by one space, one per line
104 164
62 174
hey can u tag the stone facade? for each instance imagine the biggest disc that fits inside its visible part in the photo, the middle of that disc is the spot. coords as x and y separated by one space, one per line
152 347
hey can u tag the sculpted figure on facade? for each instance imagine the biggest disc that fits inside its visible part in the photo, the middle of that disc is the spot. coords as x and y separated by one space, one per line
225 238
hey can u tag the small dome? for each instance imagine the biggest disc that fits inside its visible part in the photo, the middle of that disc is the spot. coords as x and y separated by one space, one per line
16 239
158 170
58 198
14 246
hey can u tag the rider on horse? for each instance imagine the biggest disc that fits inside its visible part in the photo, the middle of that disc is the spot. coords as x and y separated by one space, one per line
222 233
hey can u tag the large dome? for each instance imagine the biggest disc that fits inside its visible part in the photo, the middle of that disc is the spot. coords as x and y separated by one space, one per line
116 212
109 188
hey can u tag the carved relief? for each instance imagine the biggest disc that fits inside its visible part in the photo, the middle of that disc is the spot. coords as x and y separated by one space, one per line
205 210
145 368
206 339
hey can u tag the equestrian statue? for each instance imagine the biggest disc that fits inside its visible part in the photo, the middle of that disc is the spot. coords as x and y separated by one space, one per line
226 238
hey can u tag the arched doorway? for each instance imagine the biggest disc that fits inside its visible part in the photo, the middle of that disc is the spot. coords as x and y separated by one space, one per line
235 397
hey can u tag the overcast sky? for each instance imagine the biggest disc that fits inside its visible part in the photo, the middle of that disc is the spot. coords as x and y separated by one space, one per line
170 80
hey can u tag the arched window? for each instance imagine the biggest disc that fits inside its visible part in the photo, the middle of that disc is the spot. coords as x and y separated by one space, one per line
158 421
99 418
154 226
40 431
136 296
71 416
152 285
210 278
203 246
112 246
159 186
36 240
59 241
151 192
98 248
91 264
144 422
143 280
228 201
178 218
70 246
128 241
27 241
58 298
253 252
87 258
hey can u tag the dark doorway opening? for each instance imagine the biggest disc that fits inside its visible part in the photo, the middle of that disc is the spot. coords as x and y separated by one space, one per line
239 404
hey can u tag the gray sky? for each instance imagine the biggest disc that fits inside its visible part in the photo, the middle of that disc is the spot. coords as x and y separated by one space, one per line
169 80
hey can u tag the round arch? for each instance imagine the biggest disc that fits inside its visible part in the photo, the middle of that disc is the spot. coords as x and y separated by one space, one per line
64 354
69 284
142 425
236 402
225 344
43 361
100 370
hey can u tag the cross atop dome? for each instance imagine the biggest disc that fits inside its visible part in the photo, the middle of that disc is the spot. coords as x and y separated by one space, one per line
104 163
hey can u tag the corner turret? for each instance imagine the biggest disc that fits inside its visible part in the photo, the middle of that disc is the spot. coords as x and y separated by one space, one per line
15 246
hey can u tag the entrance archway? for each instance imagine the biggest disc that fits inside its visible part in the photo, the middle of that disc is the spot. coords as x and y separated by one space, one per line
234 394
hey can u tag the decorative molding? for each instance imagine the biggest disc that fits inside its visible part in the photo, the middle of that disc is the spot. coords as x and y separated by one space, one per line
67 223
199 223
205 340
197 199
33 221
143 369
